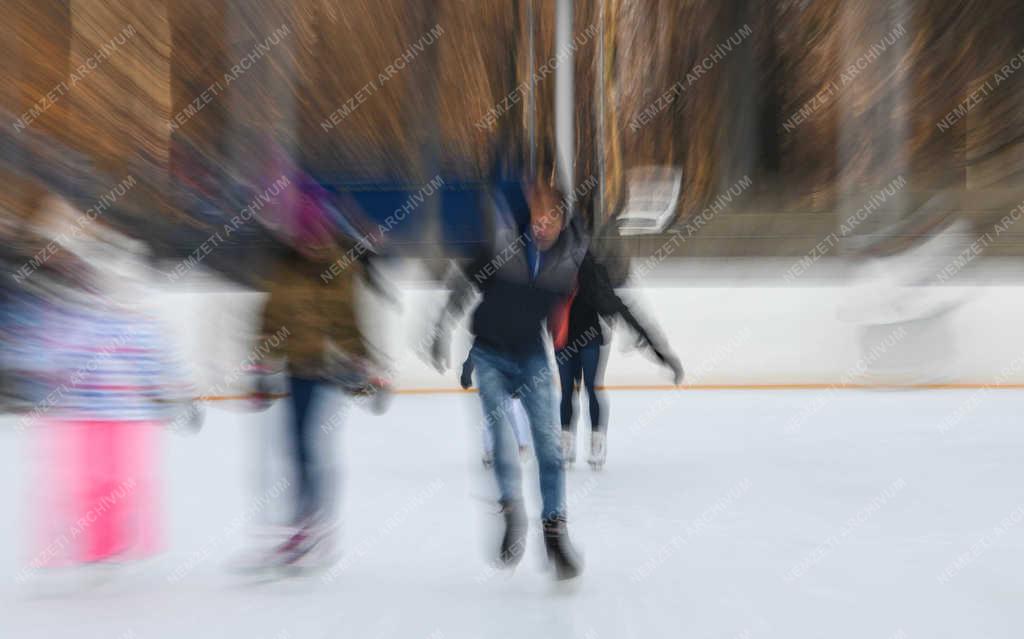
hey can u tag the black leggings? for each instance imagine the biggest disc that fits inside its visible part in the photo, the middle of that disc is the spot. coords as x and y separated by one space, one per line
586 366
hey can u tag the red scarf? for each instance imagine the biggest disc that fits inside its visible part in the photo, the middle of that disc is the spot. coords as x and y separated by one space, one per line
558 321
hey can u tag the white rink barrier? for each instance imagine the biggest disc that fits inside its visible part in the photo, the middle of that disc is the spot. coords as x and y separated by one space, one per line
725 336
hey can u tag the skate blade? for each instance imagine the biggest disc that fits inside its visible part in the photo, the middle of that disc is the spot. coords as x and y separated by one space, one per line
564 578
259 570
255 579
567 586
505 573
279 573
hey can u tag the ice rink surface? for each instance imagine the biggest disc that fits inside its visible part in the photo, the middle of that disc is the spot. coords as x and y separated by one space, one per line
731 514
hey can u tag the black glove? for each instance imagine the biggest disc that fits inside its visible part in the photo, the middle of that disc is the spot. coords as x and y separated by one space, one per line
645 340
466 380
672 362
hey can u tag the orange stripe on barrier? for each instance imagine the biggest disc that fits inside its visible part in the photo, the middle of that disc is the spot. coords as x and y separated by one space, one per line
817 386
696 387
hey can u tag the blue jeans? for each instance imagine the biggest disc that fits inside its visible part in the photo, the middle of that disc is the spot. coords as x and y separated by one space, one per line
312 468
499 376
520 427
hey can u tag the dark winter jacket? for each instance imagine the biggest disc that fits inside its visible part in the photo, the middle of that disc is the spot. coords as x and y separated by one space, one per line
596 298
515 305
515 301
584 321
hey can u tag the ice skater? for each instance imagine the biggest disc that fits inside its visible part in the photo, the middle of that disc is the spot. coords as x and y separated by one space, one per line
106 379
311 333
582 352
525 270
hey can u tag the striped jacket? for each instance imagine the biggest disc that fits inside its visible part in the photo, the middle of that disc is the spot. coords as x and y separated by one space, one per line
92 359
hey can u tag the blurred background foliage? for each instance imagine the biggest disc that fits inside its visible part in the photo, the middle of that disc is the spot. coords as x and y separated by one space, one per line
425 120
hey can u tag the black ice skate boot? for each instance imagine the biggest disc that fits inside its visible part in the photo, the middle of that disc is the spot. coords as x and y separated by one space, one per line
513 542
560 550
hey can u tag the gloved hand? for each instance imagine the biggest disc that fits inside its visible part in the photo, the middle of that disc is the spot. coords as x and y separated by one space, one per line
672 362
382 398
665 356
375 394
466 380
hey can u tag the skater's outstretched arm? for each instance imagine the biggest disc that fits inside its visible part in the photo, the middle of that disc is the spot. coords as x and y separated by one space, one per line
462 291
595 286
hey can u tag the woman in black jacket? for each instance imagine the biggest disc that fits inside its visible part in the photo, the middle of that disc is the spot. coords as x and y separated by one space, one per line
580 354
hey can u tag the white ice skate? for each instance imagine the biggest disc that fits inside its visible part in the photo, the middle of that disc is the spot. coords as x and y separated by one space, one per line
568 448
296 550
598 450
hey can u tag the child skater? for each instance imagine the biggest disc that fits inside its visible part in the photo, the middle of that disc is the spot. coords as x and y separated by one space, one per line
105 382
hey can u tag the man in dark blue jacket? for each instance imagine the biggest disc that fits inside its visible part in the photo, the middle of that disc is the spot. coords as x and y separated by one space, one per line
524 271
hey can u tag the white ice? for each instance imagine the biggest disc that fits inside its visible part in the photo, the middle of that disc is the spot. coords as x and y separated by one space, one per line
720 514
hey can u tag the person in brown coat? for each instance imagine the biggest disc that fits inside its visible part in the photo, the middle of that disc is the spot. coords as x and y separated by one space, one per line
310 331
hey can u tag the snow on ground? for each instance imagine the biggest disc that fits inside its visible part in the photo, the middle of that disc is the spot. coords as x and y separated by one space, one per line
732 514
